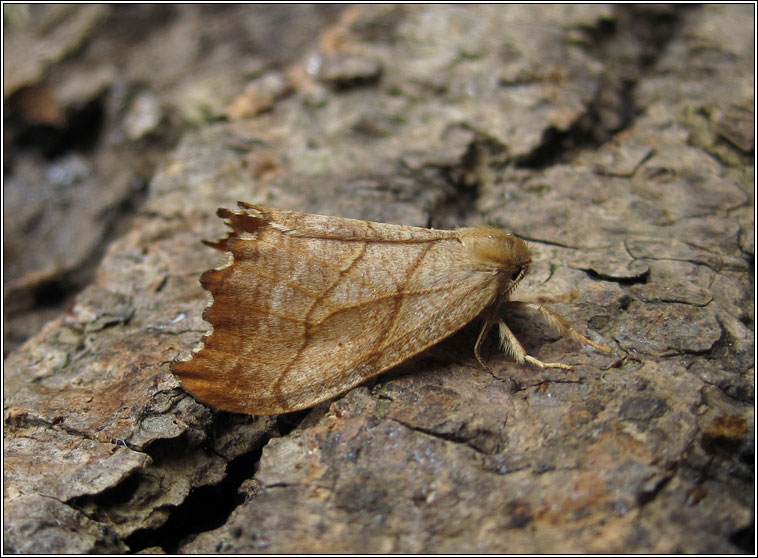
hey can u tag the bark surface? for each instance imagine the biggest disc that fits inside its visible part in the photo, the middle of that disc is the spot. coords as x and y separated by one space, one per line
617 141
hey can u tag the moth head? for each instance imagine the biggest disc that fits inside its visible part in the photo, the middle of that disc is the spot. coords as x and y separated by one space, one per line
495 250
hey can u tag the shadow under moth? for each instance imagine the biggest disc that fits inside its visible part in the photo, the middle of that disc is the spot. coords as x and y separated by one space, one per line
309 306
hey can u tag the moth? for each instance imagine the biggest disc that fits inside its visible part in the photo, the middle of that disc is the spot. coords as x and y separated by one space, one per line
309 306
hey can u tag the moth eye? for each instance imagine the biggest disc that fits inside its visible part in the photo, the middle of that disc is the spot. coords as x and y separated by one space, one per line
516 274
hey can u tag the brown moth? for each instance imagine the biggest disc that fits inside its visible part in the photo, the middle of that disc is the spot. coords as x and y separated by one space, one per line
309 306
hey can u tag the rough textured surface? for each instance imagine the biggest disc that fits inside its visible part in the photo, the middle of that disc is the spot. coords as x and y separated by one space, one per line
616 140
96 96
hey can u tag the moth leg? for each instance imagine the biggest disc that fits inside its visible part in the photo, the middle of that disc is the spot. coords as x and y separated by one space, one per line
512 347
479 340
558 323
539 300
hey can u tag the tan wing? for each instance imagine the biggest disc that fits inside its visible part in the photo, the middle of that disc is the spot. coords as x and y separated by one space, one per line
312 306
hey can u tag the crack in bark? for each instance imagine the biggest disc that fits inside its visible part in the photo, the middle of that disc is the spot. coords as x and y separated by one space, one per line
191 517
647 496
642 278
445 436
645 32
205 507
